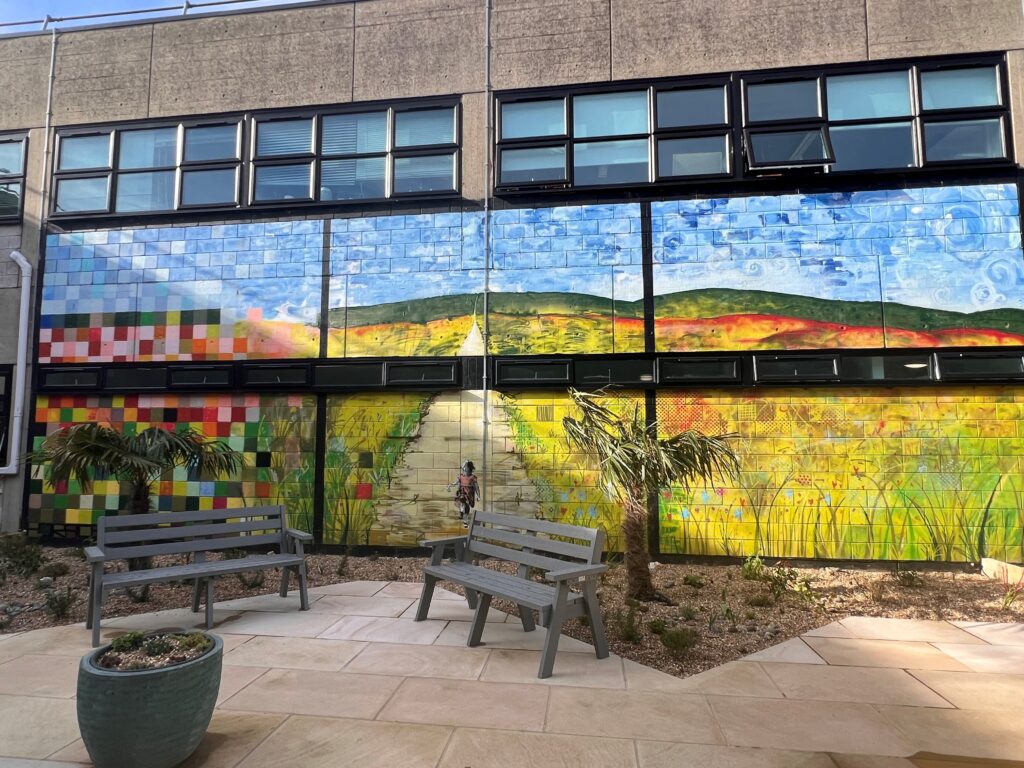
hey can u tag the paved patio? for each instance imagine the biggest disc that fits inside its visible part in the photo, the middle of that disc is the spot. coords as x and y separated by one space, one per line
355 681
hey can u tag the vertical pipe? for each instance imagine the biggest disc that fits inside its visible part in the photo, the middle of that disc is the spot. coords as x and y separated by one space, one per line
488 145
20 378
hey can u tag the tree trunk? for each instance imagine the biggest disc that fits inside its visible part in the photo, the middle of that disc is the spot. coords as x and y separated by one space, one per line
634 529
139 504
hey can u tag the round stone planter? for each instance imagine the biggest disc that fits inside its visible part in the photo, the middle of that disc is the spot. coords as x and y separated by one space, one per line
151 718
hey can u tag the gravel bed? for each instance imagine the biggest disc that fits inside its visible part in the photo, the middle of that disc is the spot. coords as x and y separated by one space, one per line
729 615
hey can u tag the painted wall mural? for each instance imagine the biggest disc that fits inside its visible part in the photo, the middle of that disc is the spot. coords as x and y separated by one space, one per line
229 292
897 268
275 432
894 474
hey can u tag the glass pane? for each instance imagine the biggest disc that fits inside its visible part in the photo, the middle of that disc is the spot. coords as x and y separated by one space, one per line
433 173
609 114
82 195
911 367
284 137
879 94
611 162
794 367
211 142
533 118
425 126
282 182
957 88
11 157
964 140
889 145
693 157
536 164
782 101
970 366
209 187
355 134
156 148
358 178
84 152
145 191
789 147
10 199
697 106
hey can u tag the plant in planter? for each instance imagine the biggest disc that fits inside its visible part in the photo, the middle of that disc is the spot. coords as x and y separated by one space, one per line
145 700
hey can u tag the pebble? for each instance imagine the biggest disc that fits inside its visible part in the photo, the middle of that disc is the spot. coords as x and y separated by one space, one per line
46 582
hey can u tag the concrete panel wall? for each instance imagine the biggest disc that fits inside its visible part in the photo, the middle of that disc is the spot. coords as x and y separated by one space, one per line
253 61
474 143
407 48
24 71
102 75
926 27
550 42
658 38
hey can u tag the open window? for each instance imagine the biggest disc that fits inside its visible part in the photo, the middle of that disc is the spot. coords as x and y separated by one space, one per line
13 149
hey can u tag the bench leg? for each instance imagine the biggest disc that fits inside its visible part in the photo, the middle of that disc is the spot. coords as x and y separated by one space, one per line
303 594
285 576
196 591
526 616
209 603
94 579
593 611
547 659
425 597
471 597
96 609
476 629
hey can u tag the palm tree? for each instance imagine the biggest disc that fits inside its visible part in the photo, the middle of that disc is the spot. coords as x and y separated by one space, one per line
88 452
636 464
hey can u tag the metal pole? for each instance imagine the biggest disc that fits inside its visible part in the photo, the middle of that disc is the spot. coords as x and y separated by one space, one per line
487 248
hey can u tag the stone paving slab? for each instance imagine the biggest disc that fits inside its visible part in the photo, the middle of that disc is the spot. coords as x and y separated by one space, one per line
355 679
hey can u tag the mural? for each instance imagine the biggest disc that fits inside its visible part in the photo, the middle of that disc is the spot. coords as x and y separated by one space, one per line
894 474
182 293
897 268
406 285
275 432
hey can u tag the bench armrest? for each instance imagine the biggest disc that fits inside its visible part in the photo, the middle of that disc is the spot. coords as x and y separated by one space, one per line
433 543
94 555
576 572
300 535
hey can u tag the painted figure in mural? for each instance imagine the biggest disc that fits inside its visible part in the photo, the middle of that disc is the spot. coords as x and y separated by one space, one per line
466 491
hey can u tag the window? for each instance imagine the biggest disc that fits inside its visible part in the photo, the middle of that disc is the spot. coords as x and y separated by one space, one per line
147 170
590 372
891 367
614 138
355 154
12 177
698 369
786 124
796 368
869 120
980 365
5 408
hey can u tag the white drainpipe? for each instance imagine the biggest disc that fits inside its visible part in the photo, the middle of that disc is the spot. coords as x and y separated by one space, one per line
21 368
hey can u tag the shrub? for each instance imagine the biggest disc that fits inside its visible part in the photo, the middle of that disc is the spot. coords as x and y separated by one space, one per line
907 579
130 641
679 642
627 625
20 556
876 590
54 569
59 604
753 568
693 580
687 613
251 579
657 626
760 601
158 645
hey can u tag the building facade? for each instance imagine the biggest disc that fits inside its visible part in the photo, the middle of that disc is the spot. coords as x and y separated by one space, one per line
363 242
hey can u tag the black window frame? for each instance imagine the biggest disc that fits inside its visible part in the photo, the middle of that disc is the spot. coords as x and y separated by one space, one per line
738 130
6 398
246 161
16 178
801 124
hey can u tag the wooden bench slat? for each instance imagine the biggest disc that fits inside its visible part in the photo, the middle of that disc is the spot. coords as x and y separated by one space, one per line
199 545
541 526
197 570
211 515
185 532
516 556
512 588
574 551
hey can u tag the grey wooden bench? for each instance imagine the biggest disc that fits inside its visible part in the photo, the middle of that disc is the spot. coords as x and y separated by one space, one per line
193 533
520 540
